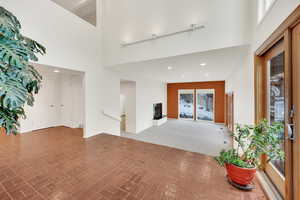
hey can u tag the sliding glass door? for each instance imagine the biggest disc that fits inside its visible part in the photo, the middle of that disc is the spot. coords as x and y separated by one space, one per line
186 104
276 98
276 104
196 104
205 104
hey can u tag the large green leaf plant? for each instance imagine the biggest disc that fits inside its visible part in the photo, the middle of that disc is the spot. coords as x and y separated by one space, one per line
253 142
19 80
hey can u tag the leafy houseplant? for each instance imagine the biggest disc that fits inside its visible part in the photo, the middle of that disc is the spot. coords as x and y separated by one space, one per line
19 81
252 142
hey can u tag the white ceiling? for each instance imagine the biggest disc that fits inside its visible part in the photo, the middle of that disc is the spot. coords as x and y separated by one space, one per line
50 70
227 23
220 64
85 9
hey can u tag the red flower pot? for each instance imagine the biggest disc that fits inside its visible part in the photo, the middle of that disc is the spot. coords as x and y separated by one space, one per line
241 176
2 131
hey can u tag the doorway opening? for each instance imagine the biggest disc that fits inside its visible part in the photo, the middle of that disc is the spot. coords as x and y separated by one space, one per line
60 101
128 106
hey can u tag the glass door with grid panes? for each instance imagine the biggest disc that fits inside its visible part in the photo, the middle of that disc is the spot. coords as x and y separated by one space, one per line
186 104
205 100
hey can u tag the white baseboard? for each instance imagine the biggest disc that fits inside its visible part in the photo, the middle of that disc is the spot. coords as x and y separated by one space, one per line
160 122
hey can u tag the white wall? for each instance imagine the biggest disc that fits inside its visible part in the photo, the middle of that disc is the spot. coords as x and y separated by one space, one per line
109 100
47 104
241 81
277 14
59 103
128 91
129 20
71 101
74 44
148 92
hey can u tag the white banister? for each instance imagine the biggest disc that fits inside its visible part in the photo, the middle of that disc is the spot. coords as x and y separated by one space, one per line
107 114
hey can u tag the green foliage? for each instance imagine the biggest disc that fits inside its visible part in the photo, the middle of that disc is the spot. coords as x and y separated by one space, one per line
19 81
231 157
253 142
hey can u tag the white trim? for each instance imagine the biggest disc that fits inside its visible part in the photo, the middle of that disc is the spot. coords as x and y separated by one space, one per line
159 122
105 113
186 91
261 18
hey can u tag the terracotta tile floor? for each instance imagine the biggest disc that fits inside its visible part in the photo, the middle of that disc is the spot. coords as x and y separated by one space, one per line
57 163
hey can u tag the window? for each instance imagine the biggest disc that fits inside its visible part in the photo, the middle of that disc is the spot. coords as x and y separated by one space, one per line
186 104
263 8
205 104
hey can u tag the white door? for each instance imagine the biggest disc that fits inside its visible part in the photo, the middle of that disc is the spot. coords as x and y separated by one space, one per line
45 108
66 105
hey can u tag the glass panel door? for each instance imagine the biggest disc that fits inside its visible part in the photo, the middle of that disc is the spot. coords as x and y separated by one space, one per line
275 108
186 104
205 104
276 98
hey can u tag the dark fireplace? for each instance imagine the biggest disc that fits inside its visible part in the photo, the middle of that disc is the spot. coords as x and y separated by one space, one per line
157 111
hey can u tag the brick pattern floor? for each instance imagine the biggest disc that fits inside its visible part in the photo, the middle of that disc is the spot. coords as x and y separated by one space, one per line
57 163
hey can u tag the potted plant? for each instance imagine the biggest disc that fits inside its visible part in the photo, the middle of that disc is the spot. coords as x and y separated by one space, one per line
19 80
252 142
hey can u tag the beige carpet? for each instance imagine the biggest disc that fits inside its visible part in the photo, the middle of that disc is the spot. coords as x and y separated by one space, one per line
201 137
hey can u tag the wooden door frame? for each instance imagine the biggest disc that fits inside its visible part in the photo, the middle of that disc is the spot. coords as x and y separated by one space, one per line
276 50
296 95
283 32
226 110
229 111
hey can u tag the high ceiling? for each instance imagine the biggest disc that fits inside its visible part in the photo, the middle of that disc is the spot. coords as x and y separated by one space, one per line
204 66
50 70
227 23
85 9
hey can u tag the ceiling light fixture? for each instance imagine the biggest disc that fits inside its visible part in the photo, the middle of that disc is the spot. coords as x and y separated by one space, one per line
203 64
193 27
56 71
170 68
